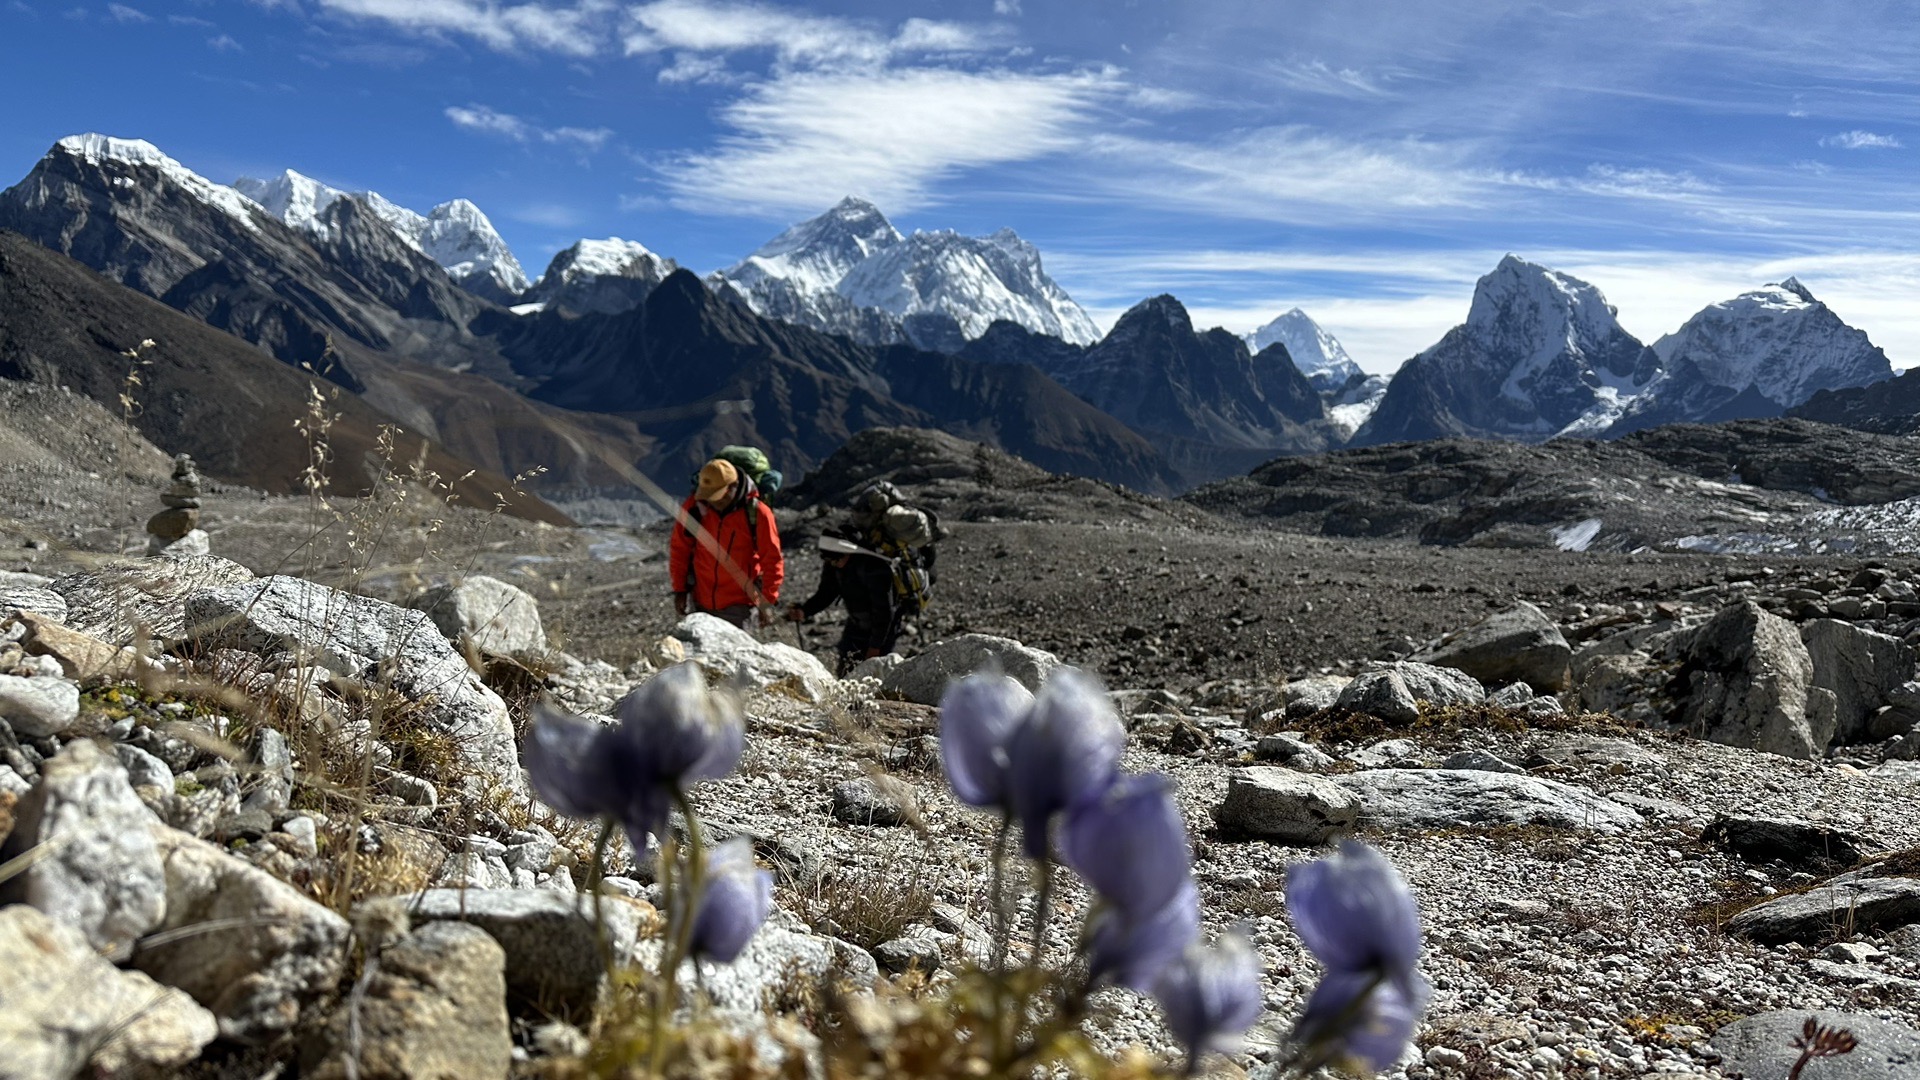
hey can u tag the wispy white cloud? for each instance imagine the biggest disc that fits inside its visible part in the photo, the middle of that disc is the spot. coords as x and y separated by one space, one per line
190 20
1861 140
488 121
121 13
581 30
1006 7
1320 77
795 38
801 142
224 43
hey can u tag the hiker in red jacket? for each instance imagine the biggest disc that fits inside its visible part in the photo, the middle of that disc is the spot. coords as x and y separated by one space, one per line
732 566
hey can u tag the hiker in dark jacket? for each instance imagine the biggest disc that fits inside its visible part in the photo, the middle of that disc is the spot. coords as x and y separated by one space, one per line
862 578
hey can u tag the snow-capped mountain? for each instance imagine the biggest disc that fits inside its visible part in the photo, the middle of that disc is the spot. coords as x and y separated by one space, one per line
1541 353
849 271
607 276
1753 356
1315 352
455 234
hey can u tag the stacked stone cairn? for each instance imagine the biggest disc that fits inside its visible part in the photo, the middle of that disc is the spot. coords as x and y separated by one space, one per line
176 530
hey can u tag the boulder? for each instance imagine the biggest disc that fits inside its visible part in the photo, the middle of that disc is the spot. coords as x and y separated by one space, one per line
116 603
1747 681
1616 682
1304 697
1268 803
101 871
1846 905
1292 752
82 657
38 706
1799 844
1395 692
1762 1046
730 653
924 678
275 951
63 1007
862 801
1595 751
369 640
1861 667
1481 761
921 949
1446 798
32 599
497 617
435 1007
553 959
1520 644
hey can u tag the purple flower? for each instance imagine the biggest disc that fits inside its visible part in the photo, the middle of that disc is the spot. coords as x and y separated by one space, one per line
1358 1015
1210 996
1131 950
1354 912
1130 843
978 715
1065 754
672 732
734 901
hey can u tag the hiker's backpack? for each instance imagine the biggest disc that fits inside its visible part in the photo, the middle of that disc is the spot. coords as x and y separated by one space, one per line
909 535
753 464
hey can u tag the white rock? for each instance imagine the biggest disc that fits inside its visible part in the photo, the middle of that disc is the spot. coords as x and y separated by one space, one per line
101 873
730 653
924 678
497 617
40 705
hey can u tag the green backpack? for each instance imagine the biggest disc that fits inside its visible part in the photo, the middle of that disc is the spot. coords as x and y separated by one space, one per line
753 464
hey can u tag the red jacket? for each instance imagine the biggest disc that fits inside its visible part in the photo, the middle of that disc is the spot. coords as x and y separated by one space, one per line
752 547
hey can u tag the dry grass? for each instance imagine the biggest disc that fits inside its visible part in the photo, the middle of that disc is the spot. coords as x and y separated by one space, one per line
867 905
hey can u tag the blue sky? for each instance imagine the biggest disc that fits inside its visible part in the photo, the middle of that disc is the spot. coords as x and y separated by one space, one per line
1364 160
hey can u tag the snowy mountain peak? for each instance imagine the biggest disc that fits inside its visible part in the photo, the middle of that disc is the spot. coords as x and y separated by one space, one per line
612 257
1777 340
97 150
1793 286
1317 354
850 271
973 280
455 234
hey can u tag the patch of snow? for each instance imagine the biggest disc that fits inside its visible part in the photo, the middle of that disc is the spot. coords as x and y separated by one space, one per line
1577 536
97 149
529 309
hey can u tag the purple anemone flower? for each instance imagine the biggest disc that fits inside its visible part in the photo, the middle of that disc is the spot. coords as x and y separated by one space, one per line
734 901
1354 912
1065 754
1131 950
1130 843
672 732
1358 1015
978 715
1210 996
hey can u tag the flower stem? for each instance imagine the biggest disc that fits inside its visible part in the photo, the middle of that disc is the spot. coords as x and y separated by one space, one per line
1002 908
594 875
682 904
1041 911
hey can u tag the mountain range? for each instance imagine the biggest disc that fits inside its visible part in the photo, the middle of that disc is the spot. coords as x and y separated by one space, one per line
616 362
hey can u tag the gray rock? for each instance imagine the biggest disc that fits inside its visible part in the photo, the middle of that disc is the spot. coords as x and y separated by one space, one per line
38 706
920 949
1384 753
732 654
1268 803
275 953
1443 798
1304 697
781 953
1799 844
435 1007
1395 692
552 944
1520 644
1480 761
1762 1046
1847 905
1749 683
1596 751
63 1007
861 801
876 667
40 601
1862 669
118 603
1614 682
305 834
1292 752
369 640
194 544
143 769
497 617
924 678
102 873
